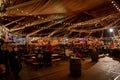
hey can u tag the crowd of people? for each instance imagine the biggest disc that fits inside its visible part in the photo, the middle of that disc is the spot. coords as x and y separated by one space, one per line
10 55
86 49
10 61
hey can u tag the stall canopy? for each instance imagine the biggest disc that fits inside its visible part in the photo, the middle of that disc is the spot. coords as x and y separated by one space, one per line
60 18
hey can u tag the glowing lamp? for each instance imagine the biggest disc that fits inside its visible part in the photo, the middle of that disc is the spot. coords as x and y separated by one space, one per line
111 30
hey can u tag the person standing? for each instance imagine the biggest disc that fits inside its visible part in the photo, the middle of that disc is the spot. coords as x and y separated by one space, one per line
15 62
48 55
2 64
5 58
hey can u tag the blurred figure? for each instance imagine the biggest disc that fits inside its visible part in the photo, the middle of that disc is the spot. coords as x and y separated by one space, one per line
39 56
50 48
2 64
69 52
15 62
48 54
5 58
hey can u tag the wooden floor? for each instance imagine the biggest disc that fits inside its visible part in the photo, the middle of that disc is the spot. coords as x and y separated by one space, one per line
105 69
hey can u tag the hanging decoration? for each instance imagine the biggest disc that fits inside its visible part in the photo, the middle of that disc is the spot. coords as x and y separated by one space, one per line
114 3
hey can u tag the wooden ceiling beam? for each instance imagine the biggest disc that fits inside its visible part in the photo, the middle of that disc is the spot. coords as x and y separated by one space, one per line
14 21
37 22
52 24
48 26
98 29
4 26
93 21
62 27
68 33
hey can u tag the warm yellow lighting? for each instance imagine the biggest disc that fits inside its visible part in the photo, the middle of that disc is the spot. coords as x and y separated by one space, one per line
111 30
112 1
115 4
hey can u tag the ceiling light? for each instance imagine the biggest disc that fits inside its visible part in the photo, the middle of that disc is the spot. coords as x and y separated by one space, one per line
112 1
111 30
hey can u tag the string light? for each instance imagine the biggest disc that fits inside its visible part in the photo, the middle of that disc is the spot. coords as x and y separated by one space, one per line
44 27
114 3
22 11
30 14
42 18
77 24
38 17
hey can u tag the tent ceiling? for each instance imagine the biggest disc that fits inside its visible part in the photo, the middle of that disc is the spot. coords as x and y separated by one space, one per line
58 18
38 7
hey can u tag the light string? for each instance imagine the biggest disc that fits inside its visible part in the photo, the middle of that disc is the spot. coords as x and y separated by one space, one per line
114 3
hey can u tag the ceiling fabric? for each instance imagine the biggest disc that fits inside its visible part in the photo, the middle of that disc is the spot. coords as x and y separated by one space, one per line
38 7
58 18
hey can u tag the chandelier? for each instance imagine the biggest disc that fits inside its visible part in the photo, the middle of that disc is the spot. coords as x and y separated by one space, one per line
3 5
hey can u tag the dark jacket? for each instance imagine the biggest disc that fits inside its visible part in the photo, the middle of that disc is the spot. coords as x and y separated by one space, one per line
4 56
15 61
1 57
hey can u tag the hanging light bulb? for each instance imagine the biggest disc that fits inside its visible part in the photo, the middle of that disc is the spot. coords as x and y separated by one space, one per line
111 30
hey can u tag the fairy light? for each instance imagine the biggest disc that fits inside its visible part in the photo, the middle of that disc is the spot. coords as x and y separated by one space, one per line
21 11
111 30
30 14
114 3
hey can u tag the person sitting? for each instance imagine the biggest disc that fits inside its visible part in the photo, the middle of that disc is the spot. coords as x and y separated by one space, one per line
79 55
69 52
39 56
